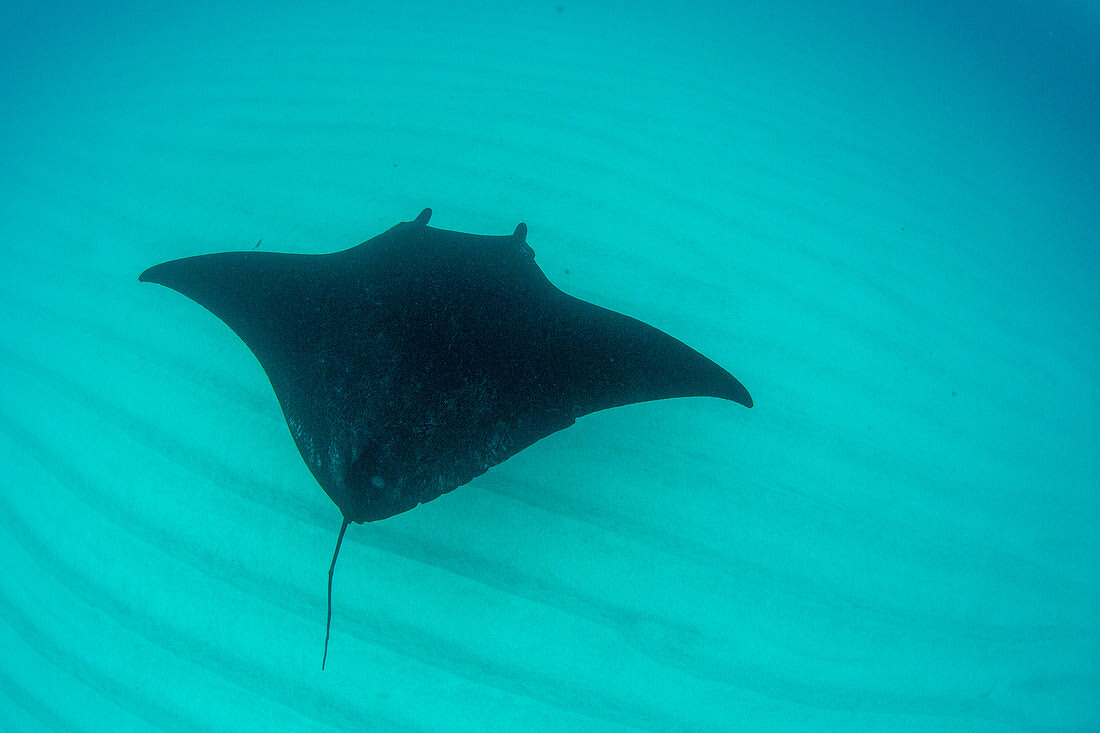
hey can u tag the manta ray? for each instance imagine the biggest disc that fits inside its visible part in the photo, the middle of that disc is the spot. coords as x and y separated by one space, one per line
412 363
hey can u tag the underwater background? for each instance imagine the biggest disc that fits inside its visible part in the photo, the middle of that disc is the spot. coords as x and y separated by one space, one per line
883 218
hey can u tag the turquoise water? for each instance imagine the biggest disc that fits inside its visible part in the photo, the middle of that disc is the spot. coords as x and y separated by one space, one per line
884 222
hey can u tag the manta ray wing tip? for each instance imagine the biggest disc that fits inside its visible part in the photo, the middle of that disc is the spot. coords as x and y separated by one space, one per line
149 275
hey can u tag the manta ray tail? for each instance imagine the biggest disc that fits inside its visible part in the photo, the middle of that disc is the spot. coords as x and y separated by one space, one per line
331 568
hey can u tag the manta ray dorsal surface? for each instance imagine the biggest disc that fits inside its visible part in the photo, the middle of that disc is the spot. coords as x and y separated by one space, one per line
417 360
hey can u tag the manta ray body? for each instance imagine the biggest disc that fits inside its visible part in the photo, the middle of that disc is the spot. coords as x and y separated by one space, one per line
417 360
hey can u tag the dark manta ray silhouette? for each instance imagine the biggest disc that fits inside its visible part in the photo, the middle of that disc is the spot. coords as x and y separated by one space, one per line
412 363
